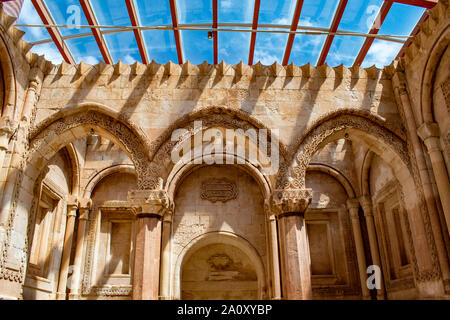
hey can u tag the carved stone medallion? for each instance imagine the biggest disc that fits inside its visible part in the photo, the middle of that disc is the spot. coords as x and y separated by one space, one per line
219 190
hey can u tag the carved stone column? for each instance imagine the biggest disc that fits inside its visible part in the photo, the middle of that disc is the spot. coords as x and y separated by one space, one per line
289 207
72 207
149 207
366 204
353 206
75 285
429 133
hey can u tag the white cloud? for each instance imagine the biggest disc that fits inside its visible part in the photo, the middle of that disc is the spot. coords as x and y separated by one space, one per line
90 60
49 51
381 54
28 15
128 59
265 58
226 4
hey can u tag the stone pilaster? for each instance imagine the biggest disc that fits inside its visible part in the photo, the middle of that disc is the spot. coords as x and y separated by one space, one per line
149 207
353 207
6 130
289 206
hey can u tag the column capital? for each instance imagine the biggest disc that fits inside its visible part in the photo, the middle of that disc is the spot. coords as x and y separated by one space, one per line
366 204
290 201
428 130
85 206
72 206
149 202
353 203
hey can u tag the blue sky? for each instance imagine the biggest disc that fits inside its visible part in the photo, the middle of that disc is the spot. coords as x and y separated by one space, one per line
233 46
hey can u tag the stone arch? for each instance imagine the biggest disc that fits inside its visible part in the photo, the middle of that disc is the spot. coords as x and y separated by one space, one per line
214 238
339 125
9 80
162 166
429 72
49 137
99 176
341 178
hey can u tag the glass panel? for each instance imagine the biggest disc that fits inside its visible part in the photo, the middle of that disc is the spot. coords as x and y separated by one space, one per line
238 11
381 53
85 49
318 13
276 12
28 15
68 12
360 15
344 49
50 52
160 45
401 19
197 47
194 11
153 13
123 47
111 12
306 48
234 46
270 47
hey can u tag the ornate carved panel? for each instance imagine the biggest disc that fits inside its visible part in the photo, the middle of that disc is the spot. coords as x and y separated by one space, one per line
219 190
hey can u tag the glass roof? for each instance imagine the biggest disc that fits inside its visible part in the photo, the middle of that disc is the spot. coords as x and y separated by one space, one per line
284 31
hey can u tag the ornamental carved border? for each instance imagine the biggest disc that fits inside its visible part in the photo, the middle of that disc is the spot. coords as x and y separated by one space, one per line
129 139
295 176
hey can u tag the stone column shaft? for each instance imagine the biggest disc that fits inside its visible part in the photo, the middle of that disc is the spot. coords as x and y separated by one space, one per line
67 249
276 281
165 259
353 206
149 207
75 290
366 203
290 206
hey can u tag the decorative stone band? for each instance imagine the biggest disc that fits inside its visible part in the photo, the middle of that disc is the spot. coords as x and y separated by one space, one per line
287 202
149 203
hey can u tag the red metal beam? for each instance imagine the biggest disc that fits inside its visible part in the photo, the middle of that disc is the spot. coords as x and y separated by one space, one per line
373 30
419 3
53 31
254 27
215 40
137 32
290 42
334 26
89 13
173 11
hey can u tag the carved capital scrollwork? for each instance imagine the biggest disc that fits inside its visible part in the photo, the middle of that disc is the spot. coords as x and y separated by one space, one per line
149 202
290 201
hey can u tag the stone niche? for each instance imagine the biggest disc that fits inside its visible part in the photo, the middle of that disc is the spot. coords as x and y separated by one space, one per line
219 271
218 199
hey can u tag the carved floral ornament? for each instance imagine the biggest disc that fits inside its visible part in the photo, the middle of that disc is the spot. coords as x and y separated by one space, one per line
290 201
